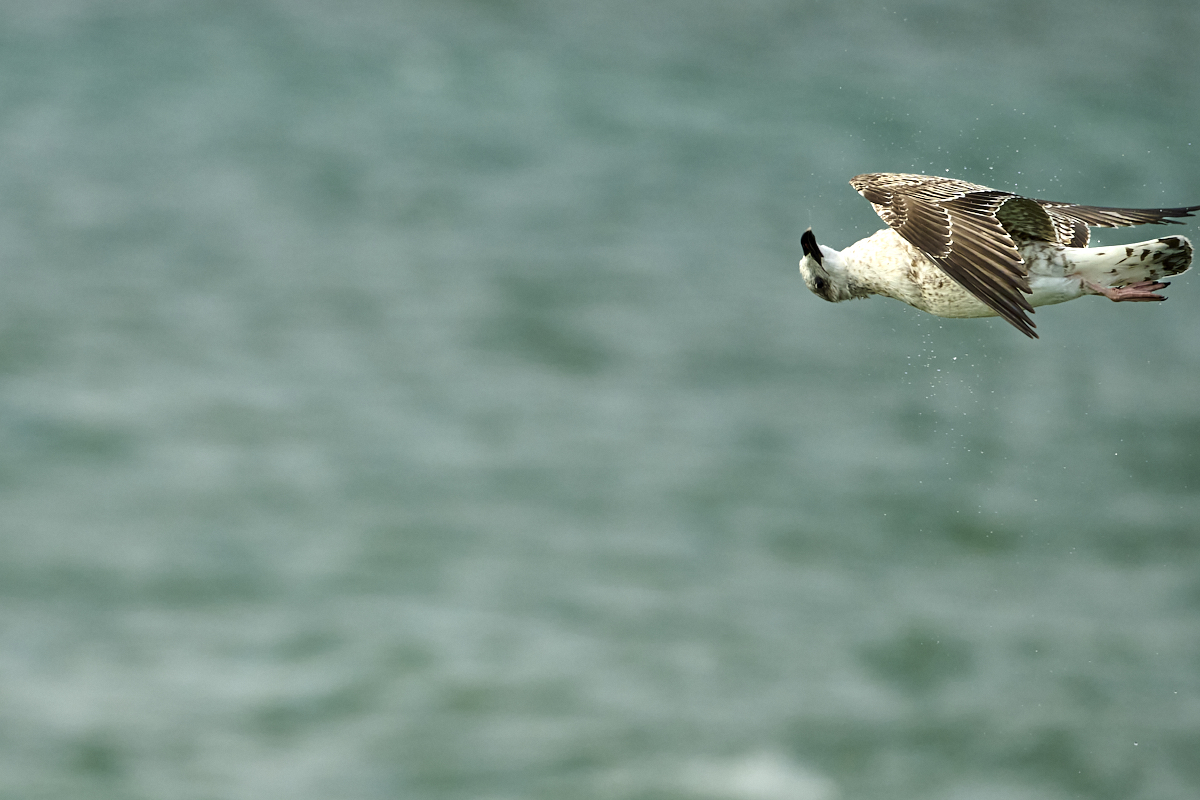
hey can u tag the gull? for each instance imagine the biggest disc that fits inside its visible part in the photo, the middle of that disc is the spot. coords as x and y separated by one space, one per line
958 249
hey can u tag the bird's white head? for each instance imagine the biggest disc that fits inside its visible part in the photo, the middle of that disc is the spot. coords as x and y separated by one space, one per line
823 272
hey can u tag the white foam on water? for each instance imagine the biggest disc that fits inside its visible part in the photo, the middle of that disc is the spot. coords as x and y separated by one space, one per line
758 776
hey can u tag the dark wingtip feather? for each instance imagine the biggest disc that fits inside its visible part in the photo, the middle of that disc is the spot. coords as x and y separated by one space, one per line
1020 321
1186 211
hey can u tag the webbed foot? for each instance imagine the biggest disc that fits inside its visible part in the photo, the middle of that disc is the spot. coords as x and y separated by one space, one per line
1142 292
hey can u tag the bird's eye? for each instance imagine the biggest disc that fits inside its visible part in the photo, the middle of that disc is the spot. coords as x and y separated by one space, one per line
819 283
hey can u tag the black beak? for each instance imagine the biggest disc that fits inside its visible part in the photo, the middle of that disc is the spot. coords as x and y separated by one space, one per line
809 243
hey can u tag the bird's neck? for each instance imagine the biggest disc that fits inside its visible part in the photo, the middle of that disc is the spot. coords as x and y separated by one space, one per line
849 279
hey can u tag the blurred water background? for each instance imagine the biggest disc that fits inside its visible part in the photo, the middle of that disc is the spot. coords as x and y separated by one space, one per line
419 399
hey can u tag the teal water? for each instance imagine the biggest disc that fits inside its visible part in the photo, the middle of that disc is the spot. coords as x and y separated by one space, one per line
419 399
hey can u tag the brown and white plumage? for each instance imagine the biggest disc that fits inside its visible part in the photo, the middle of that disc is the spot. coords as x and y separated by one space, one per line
991 244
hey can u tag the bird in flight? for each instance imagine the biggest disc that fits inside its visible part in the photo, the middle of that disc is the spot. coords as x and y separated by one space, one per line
958 249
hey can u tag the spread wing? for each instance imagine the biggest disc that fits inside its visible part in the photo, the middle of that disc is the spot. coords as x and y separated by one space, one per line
1072 221
954 223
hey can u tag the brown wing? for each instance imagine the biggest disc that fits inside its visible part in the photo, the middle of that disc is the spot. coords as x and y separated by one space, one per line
954 223
1072 221
1025 220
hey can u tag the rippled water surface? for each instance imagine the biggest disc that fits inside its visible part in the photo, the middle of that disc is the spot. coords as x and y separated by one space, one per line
419 399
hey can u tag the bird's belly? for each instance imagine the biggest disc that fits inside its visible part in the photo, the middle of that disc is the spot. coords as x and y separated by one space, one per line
903 272
888 265
941 295
949 299
954 302
1048 268
1050 290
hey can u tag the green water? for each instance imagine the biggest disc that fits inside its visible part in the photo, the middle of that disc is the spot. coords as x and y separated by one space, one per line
419 399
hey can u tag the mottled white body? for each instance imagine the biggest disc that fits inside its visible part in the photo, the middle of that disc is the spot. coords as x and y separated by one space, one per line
886 264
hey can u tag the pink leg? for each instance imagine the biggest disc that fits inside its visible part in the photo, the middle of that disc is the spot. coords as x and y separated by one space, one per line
1134 293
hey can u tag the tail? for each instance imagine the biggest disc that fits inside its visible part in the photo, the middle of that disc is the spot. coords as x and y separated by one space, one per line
1122 265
